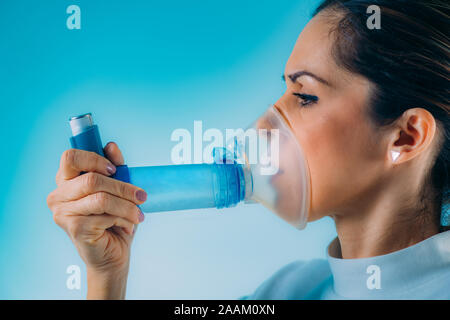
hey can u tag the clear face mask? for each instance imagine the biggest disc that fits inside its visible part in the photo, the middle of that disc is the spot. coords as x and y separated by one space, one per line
275 168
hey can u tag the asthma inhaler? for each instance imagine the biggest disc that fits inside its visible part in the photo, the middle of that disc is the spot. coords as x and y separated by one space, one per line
284 189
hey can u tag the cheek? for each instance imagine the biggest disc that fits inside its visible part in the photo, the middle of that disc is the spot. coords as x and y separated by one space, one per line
336 146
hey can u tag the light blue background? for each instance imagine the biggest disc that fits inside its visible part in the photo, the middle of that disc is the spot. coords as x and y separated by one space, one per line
143 68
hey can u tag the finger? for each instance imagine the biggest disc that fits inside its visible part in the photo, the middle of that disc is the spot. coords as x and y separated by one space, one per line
92 182
113 153
74 161
91 228
103 222
100 203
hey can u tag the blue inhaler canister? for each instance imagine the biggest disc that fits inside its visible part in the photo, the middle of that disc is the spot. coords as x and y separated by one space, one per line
86 136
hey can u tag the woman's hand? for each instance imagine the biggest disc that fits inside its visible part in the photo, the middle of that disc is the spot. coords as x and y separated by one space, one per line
99 214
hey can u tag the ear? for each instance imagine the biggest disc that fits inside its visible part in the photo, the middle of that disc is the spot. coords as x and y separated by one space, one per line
413 133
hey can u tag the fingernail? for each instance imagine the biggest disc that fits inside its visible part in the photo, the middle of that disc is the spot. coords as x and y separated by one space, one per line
141 216
110 168
141 195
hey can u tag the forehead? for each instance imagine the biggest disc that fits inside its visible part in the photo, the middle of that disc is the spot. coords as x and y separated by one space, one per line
312 50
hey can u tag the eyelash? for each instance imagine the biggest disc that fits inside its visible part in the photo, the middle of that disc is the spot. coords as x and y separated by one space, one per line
306 99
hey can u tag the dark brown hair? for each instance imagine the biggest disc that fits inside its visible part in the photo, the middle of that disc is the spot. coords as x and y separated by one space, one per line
407 61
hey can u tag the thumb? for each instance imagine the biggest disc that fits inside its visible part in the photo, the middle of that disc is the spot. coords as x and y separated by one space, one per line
113 153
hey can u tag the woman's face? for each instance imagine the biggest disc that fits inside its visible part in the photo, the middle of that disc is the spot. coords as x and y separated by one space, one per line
328 111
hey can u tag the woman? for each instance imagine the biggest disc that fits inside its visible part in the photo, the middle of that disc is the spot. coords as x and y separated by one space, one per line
370 108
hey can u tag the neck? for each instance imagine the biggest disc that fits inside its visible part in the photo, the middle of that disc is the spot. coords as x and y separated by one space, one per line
380 224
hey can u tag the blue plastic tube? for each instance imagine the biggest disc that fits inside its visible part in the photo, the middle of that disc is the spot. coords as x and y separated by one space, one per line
173 187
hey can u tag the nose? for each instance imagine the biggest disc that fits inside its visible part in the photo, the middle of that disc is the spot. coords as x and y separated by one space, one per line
280 106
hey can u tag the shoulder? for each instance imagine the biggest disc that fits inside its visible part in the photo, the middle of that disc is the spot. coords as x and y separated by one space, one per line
296 280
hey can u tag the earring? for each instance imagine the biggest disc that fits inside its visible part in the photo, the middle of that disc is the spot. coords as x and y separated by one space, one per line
395 155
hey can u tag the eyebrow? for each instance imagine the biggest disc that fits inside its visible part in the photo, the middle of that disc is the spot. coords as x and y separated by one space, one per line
298 74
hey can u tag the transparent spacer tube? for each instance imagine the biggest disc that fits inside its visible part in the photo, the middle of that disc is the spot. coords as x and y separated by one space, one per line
190 186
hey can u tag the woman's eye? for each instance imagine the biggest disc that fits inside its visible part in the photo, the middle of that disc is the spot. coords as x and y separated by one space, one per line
306 99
